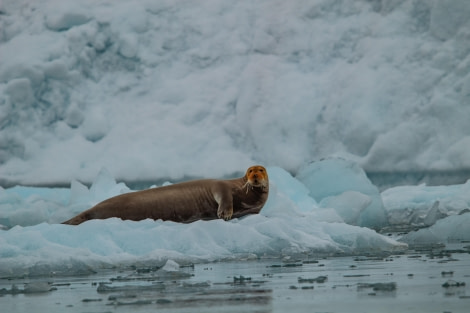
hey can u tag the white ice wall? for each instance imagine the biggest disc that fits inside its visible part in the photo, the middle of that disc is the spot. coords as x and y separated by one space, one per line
206 88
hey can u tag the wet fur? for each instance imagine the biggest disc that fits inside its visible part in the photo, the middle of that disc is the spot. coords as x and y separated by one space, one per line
187 202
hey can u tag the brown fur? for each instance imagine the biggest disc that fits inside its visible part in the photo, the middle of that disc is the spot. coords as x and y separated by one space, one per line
187 202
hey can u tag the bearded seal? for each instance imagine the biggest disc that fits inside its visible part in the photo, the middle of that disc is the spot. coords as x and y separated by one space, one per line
186 202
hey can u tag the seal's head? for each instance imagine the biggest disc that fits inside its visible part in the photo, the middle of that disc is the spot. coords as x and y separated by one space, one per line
256 176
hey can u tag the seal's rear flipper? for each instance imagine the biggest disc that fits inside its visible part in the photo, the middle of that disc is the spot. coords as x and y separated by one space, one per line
75 220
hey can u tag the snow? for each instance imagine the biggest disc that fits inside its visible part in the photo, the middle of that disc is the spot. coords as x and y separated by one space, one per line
111 84
106 92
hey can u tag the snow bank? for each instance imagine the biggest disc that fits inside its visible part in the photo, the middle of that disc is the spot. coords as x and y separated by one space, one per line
137 88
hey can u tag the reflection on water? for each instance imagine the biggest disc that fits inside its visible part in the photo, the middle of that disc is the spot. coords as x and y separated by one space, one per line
428 281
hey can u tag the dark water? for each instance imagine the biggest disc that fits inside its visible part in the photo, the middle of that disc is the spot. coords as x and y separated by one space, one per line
425 281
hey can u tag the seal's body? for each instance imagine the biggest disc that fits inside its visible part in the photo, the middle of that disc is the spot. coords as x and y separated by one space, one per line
187 202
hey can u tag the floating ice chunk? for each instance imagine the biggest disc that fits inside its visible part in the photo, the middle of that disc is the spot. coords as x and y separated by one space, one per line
171 270
47 249
279 203
364 241
332 177
171 266
451 228
79 193
433 215
32 194
423 205
105 186
292 188
30 288
80 200
37 287
30 205
289 197
349 205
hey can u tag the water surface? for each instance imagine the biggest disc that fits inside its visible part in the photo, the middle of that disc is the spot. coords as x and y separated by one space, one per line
427 281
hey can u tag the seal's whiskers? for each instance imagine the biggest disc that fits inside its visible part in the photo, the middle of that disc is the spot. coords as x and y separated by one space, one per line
247 185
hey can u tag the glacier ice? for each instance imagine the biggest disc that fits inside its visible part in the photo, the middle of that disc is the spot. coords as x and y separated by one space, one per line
449 229
344 185
291 223
51 248
92 84
423 205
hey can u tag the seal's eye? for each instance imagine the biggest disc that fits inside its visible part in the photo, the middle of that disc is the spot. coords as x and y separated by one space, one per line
261 170
251 171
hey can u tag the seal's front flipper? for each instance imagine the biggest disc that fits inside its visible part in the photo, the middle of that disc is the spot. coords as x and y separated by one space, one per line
225 202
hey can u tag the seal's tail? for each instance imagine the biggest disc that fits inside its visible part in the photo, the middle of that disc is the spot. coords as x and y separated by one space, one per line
75 220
